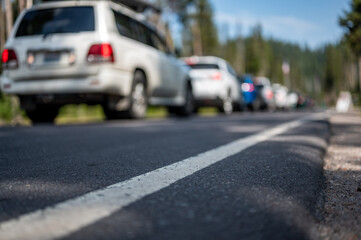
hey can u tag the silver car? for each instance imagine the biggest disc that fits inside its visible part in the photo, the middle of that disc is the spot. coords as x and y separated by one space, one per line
94 52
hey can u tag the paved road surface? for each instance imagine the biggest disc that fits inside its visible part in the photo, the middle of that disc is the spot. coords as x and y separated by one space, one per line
236 177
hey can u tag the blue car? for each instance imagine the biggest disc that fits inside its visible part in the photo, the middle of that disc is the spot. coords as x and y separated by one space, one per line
249 92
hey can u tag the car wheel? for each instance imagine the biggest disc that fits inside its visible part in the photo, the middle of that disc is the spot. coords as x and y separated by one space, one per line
227 105
138 98
238 107
256 105
138 102
43 114
188 107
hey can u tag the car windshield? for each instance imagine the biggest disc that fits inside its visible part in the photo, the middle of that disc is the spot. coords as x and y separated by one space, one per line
57 20
204 66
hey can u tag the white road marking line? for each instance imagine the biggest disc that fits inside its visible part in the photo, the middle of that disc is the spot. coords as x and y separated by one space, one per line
72 215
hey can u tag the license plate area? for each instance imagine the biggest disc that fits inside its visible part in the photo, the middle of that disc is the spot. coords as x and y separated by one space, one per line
52 57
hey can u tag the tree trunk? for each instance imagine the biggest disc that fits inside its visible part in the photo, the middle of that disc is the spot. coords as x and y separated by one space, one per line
197 41
9 17
168 38
21 5
29 3
2 27
359 77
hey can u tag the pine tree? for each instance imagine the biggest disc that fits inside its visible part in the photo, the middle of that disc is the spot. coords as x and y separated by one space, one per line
254 47
2 27
208 30
200 32
9 17
351 22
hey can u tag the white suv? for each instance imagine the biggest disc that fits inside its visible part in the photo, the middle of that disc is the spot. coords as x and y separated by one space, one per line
214 83
94 52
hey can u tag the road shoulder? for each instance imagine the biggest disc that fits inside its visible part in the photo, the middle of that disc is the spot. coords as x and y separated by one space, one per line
341 214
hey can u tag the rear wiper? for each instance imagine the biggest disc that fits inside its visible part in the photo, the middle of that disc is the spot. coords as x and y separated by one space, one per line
57 30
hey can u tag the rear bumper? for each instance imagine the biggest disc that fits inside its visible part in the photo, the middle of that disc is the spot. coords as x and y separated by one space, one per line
115 102
62 99
208 90
106 82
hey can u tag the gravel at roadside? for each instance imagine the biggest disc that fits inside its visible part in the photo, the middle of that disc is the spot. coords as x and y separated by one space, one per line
341 214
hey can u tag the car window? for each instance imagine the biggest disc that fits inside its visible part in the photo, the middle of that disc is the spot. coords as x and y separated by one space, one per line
57 20
133 29
159 43
231 70
123 24
204 66
143 34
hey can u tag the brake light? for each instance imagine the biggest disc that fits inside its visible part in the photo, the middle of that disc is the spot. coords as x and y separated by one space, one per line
247 87
269 94
9 59
5 56
189 62
216 76
99 53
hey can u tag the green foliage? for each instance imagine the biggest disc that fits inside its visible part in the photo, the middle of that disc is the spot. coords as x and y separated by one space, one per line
351 22
81 111
232 52
84 114
333 73
5 108
208 30
9 108
264 57
254 51
319 73
195 14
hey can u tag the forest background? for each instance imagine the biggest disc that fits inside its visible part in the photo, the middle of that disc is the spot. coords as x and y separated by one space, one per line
319 73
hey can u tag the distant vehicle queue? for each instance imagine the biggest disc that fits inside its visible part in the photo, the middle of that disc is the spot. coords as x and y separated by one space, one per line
101 52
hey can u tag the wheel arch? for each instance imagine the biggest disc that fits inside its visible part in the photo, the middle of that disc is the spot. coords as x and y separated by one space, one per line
139 69
189 83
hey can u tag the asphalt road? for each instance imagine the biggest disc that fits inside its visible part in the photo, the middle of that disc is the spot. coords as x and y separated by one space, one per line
265 191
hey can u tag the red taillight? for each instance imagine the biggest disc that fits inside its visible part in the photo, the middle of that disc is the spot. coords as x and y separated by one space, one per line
9 59
5 56
191 61
216 76
100 53
269 94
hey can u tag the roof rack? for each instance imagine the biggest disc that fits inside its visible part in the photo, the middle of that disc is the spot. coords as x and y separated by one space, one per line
139 5
136 5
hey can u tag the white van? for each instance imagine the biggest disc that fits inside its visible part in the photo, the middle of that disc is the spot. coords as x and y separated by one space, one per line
94 52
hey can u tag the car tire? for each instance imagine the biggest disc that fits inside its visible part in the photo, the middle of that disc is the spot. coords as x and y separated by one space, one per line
138 98
188 107
256 105
238 107
43 114
138 101
227 105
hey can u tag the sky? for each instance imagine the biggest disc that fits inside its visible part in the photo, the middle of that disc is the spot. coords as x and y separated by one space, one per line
306 22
